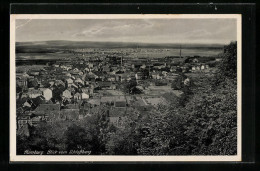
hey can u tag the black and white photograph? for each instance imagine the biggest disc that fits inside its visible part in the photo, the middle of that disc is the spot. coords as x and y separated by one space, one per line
125 87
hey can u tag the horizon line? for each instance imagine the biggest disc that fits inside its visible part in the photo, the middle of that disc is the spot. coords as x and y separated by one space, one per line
125 42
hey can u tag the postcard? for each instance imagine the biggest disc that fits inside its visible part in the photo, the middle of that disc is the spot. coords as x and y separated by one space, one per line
129 88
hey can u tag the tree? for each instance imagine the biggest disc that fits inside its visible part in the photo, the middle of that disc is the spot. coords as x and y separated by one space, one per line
128 87
57 92
177 84
228 66
77 138
33 83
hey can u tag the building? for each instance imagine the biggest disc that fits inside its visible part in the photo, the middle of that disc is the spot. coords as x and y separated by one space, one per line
77 96
66 94
69 82
33 93
120 101
47 93
84 96
22 82
47 111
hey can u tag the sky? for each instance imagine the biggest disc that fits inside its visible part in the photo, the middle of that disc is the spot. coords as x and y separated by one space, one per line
219 31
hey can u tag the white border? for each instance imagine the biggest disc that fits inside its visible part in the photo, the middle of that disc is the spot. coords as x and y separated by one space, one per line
70 158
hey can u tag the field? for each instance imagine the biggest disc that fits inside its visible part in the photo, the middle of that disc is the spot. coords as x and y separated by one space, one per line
61 49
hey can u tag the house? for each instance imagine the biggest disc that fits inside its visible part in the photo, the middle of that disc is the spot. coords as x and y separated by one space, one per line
47 111
22 82
69 82
84 90
68 74
23 128
171 77
87 69
139 76
186 82
33 93
84 96
80 73
67 94
105 85
77 96
143 66
72 106
47 93
22 75
76 69
106 69
159 76
59 83
90 65
94 102
111 78
28 104
78 80
47 107
113 86
164 73
120 101
125 77
51 83
34 73
107 100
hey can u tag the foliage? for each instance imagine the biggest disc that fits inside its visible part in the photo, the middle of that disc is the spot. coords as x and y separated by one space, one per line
228 66
129 86
33 83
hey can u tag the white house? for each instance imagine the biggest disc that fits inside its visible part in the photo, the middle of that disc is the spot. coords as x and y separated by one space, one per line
86 69
187 82
66 94
34 93
84 96
47 93
75 69
69 82
78 80
77 96
68 74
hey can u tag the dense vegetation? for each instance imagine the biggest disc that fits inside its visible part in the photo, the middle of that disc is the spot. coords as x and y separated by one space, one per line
201 122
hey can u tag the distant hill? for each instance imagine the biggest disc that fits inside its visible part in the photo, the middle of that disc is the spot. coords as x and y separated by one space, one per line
53 46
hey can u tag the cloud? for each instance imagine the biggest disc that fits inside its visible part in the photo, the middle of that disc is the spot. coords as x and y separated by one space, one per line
201 33
21 25
128 30
114 29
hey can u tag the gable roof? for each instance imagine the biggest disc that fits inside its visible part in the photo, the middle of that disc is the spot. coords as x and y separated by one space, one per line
48 107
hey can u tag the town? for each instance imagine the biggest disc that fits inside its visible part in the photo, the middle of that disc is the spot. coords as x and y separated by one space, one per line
76 87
